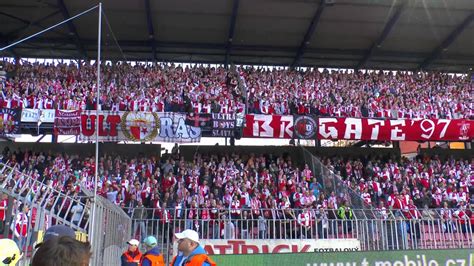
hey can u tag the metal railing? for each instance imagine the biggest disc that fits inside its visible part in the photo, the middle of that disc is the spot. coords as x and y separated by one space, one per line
331 182
50 206
390 231
113 230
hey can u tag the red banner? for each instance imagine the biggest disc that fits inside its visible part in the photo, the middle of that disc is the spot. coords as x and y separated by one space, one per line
67 122
269 126
277 126
396 130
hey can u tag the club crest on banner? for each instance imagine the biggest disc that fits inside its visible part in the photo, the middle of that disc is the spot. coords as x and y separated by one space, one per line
140 126
9 121
305 127
464 130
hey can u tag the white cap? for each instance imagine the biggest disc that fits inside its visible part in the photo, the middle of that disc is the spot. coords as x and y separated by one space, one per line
189 234
133 242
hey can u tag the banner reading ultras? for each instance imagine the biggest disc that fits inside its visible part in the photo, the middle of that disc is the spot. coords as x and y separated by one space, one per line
138 126
277 126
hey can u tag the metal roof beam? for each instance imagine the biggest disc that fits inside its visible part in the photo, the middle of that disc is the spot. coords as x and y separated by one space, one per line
72 29
230 37
447 42
309 32
220 47
378 43
32 23
151 30
24 21
3 43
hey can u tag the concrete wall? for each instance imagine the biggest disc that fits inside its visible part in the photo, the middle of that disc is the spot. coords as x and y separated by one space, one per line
447 153
295 152
189 151
87 149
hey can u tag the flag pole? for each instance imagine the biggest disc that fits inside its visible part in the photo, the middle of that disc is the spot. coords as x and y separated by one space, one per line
93 228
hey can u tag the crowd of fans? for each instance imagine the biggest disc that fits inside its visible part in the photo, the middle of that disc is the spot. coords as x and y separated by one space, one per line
126 88
427 181
208 89
349 94
257 187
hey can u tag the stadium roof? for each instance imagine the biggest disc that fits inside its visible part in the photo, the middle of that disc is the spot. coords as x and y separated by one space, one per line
376 34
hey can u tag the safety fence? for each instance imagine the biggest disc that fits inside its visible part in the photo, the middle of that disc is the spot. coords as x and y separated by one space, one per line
373 230
331 182
42 206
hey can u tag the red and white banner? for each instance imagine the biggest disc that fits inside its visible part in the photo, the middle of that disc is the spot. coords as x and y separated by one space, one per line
67 122
277 126
268 126
138 126
263 246
395 130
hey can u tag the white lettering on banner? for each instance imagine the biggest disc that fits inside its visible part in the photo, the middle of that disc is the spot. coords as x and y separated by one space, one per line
332 134
420 260
47 116
223 116
394 133
35 115
194 132
246 246
460 262
135 126
166 129
29 115
430 129
276 126
446 123
376 128
353 127
335 264
181 130
267 129
285 126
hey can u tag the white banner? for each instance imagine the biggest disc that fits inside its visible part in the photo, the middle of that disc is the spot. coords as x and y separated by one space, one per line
254 246
35 115
138 126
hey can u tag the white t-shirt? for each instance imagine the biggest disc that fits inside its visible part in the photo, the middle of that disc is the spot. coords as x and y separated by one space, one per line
77 212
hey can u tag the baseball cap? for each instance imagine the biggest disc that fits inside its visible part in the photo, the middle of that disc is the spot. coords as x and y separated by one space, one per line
150 241
133 242
57 231
189 234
